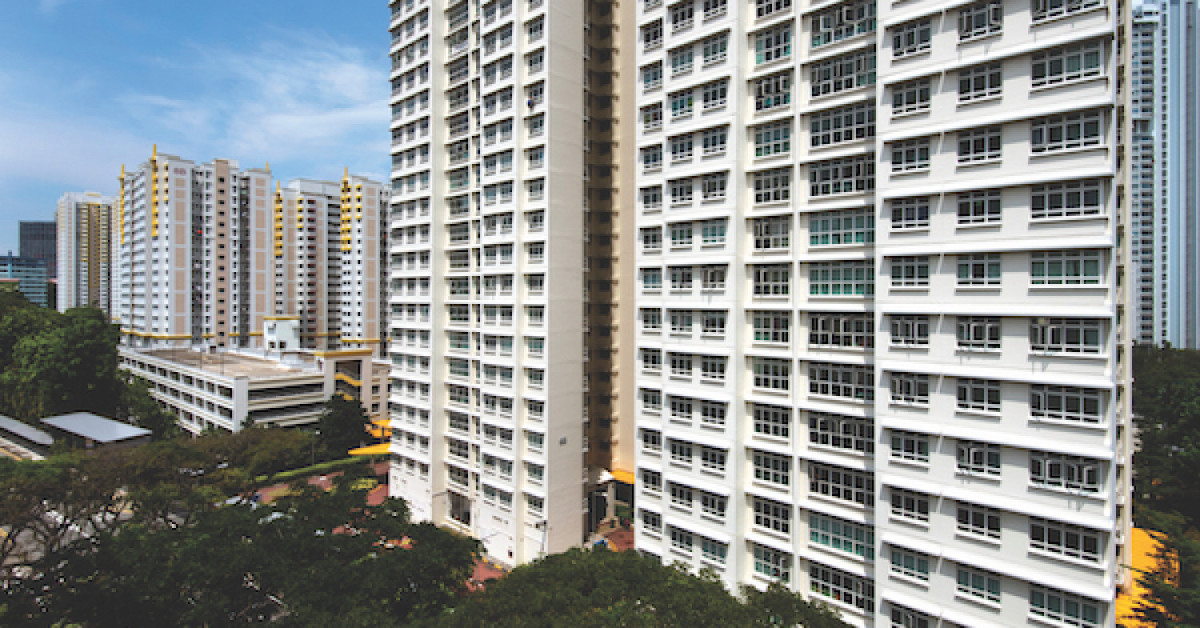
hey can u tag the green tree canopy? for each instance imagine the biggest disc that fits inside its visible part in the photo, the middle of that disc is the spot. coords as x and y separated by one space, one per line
342 426
599 588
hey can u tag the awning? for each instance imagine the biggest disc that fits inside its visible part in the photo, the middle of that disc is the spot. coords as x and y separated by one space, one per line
624 477
381 449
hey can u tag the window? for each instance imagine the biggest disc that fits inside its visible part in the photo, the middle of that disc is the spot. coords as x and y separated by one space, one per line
681 321
681 451
978 82
681 235
838 23
651 319
713 459
651 440
980 269
772 373
681 496
910 272
847 226
910 446
838 483
682 16
842 536
651 158
978 207
712 413
855 69
713 505
651 401
910 213
714 94
651 359
651 279
651 480
712 186
681 408
835 584
651 521
773 327
1067 199
681 191
714 551
856 434
714 141
771 279
978 521
651 239
772 92
903 617
1059 607
910 505
715 49
1067 268
764 8
910 97
1065 403
652 76
651 199
984 585
773 139
980 20
712 368
652 117
772 468
771 420
842 380
1066 335
910 331
910 564
771 234
841 330
681 61
712 322
1048 9
976 145
1065 132
910 155
978 333
712 232
681 104
773 186
843 124
1072 473
979 395
842 176
681 364
681 148
909 388
1065 539
1067 64
773 44
772 564
977 457
772 515
911 38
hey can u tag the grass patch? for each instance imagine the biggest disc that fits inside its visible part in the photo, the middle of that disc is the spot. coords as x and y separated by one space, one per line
320 467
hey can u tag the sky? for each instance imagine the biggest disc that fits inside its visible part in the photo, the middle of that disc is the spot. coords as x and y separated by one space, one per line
89 85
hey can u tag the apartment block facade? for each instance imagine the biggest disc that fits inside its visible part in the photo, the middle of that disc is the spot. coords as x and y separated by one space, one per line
504 264
328 247
884 309
193 254
84 250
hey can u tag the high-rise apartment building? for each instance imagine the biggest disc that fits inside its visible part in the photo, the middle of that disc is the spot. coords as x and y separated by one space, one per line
39 240
503 237
1180 84
193 260
328 246
884 308
84 256
1149 190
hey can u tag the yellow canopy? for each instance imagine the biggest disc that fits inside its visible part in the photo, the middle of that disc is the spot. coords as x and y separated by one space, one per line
625 477
381 449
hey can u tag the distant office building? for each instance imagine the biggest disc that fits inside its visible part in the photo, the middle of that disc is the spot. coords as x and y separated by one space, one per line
84 248
30 275
38 241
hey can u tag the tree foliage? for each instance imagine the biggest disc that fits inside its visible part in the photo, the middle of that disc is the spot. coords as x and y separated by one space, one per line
342 426
173 551
598 588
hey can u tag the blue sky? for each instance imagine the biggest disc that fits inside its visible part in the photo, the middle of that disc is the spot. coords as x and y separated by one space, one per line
88 85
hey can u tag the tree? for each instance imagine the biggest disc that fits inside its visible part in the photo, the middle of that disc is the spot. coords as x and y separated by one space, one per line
342 426
1166 403
1173 585
138 408
586 588
311 559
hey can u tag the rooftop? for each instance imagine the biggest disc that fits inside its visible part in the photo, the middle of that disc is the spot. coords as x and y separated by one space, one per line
95 427
230 364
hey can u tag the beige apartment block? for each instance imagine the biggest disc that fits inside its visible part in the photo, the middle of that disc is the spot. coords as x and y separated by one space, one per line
84 226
